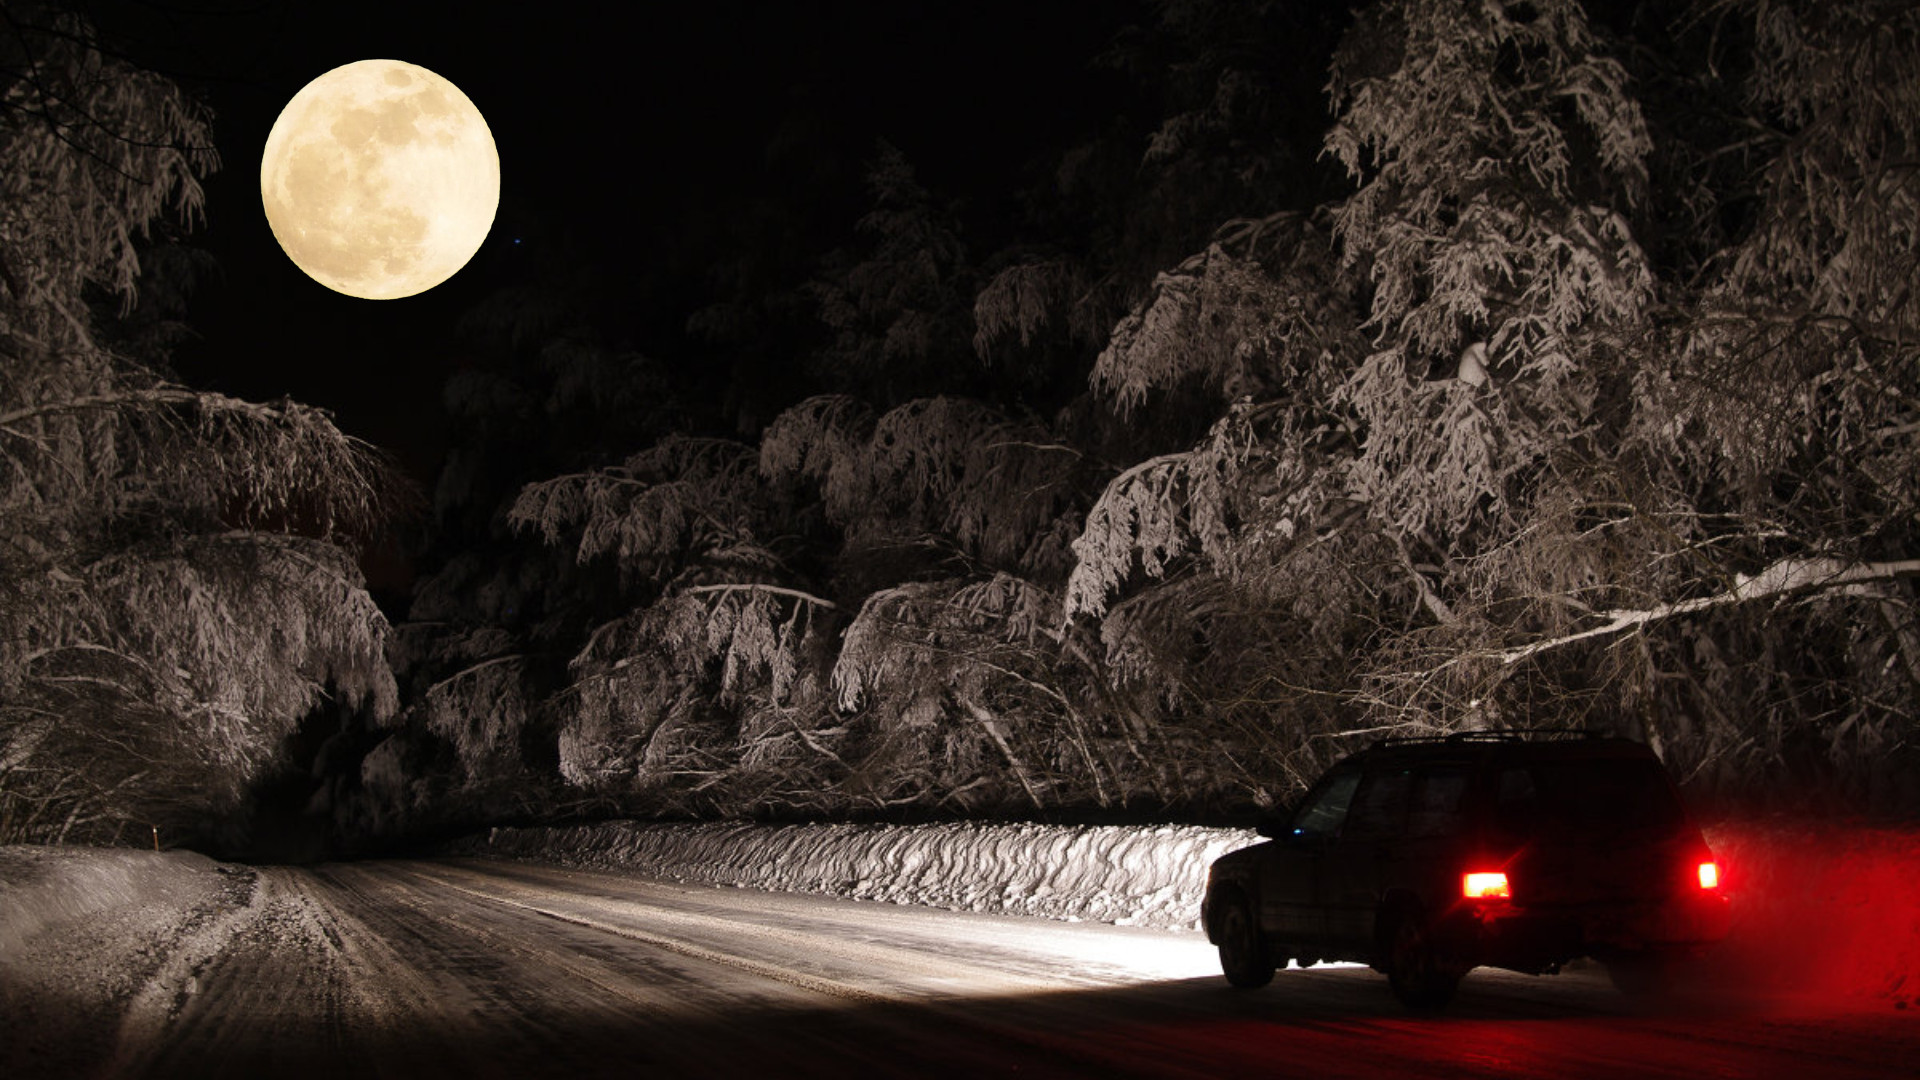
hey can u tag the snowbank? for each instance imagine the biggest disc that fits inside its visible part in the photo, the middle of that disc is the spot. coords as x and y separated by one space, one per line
48 891
1128 875
83 932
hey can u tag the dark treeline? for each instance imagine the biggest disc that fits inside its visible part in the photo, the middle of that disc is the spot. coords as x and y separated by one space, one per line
1402 369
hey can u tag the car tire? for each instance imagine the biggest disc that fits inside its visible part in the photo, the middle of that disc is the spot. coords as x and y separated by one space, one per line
1244 956
1420 975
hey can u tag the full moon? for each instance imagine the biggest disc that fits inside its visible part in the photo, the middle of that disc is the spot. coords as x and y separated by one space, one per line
380 179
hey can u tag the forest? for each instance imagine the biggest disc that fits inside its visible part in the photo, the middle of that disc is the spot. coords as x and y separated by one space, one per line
1372 369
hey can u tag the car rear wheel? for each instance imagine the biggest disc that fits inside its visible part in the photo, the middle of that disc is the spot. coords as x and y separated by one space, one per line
1244 956
1419 974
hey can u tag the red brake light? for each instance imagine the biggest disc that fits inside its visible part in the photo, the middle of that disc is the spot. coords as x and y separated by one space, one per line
1489 885
1709 875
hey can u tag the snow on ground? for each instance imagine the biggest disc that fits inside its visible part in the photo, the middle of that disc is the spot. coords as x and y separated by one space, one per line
90 939
1825 909
1128 875
89 934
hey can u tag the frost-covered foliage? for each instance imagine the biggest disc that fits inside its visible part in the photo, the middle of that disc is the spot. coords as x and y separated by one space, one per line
1561 480
923 655
822 441
1802 345
896 304
1497 165
1262 312
703 679
990 483
482 708
97 152
994 484
740 680
1563 375
940 674
710 695
1026 300
682 501
177 596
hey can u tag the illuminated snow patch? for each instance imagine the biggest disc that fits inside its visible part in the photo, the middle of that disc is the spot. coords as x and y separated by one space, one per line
1152 956
1152 876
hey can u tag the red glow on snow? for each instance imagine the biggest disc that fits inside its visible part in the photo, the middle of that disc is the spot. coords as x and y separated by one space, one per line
1843 898
1488 885
1709 875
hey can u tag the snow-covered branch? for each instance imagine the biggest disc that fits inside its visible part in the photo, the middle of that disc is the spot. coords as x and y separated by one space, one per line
1136 516
472 670
147 398
770 590
1782 578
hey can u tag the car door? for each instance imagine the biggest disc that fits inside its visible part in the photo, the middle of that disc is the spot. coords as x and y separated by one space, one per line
1436 840
1288 908
1352 872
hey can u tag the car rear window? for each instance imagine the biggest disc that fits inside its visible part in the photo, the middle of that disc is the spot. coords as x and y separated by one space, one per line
1596 793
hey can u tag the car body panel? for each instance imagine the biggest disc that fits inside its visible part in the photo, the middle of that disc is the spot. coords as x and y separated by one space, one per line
1286 875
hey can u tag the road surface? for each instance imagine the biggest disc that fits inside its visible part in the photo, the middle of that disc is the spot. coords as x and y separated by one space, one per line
476 969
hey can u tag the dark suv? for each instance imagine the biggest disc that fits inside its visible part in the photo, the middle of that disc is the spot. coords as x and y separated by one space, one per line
1426 858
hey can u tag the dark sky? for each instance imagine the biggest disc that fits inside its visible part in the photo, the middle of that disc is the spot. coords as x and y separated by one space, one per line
628 139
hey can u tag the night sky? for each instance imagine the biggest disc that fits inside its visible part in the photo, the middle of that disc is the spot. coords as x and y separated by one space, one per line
630 144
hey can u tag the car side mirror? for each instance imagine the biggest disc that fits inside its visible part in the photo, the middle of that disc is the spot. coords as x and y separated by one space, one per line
1274 828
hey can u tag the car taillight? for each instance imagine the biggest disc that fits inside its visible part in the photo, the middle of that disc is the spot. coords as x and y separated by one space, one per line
1485 885
1709 875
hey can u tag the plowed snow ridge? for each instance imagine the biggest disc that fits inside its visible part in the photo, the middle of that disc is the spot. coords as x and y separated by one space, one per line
1127 875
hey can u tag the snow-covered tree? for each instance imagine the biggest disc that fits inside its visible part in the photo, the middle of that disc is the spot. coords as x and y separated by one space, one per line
1567 481
895 304
178 590
1560 374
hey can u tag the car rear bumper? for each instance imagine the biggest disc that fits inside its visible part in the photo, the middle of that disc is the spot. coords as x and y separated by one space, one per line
1537 937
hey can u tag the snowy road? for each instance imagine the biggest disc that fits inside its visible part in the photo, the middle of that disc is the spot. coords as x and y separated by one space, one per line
484 969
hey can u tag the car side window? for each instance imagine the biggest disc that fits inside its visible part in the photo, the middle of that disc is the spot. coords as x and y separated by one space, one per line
1379 807
1516 802
1434 809
1325 810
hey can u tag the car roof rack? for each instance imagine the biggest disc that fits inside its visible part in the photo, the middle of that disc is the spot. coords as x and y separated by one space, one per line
1502 735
